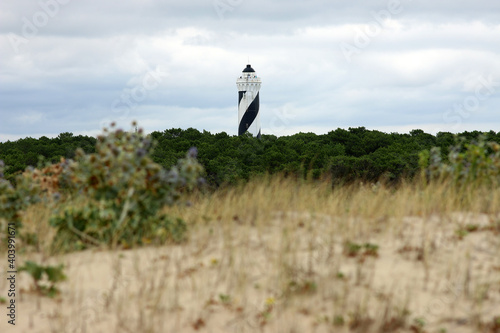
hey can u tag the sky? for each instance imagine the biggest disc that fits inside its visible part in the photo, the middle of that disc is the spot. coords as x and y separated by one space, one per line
388 65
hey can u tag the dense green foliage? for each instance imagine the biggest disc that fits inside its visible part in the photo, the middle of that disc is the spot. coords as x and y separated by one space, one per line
343 155
17 155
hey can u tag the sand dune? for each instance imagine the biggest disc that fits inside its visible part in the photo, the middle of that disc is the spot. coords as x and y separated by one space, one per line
294 273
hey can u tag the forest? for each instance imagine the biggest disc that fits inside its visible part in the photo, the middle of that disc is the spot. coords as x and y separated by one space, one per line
340 155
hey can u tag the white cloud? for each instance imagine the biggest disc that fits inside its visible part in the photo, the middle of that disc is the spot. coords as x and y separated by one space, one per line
28 118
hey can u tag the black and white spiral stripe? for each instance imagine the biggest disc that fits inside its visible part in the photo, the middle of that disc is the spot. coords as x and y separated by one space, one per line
250 115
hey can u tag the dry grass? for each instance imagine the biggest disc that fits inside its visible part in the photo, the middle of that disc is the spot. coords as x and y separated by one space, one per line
280 255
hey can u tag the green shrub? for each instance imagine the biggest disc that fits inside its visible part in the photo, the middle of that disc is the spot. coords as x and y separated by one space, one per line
15 199
353 249
476 163
123 192
54 275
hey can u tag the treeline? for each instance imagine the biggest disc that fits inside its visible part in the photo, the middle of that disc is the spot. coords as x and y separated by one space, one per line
17 155
342 155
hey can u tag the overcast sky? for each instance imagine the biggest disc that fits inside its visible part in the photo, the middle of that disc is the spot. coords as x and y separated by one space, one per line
74 66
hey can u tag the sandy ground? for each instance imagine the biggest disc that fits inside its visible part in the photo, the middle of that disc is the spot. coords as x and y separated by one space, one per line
294 274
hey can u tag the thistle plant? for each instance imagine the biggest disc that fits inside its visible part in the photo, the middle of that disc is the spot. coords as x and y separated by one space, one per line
14 199
476 163
124 192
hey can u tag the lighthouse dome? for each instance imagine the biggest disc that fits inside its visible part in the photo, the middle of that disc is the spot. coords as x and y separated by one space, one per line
248 69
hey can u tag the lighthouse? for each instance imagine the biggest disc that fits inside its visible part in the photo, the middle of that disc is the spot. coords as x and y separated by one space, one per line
248 102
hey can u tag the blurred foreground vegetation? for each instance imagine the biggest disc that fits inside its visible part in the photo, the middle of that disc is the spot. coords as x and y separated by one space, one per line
112 197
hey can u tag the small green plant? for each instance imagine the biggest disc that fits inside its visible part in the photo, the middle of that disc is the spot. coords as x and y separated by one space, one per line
301 287
353 249
3 300
461 233
265 315
464 231
419 322
225 299
370 250
418 325
472 227
54 275
338 320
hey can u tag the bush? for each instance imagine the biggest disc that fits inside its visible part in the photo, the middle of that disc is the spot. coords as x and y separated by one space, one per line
54 274
122 192
15 199
475 163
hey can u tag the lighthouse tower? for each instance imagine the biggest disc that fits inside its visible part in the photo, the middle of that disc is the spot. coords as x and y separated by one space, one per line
248 102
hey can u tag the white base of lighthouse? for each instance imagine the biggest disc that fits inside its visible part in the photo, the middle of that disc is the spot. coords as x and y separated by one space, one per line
248 114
